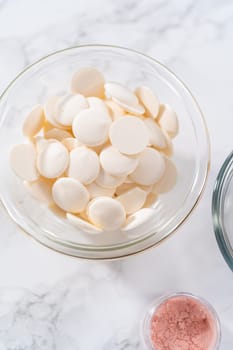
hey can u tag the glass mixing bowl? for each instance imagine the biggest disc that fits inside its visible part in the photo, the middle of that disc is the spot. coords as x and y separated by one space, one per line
51 75
222 210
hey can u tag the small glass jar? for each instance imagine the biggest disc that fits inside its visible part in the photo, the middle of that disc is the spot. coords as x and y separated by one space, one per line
147 320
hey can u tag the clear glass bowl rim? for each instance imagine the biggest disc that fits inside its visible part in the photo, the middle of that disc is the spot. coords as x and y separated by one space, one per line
220 188
145 338
132 51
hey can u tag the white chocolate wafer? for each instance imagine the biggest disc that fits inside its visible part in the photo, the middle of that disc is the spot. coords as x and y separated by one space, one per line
168 180
106 180
106 213
132 200
34 121
88 81
150 168
23 161
137 219
84 165
168 121
57 134
156 135
68 107
115 163
70 195
40 189
96 190
82 224
149 100
52 159
90 127
129 135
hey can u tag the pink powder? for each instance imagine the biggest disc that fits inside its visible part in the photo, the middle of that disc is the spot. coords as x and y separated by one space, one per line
183 323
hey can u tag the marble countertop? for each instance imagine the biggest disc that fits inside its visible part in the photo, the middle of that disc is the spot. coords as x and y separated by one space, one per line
49 301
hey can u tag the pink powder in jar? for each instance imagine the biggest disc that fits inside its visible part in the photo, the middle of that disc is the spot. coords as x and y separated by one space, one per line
183 323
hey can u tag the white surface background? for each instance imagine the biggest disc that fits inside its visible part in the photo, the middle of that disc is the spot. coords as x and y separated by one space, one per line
50 301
